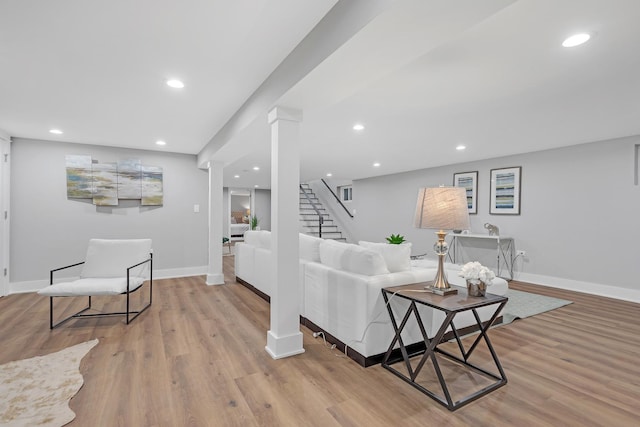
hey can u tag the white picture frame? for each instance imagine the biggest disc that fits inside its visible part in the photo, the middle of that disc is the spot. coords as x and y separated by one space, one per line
505 191
469 181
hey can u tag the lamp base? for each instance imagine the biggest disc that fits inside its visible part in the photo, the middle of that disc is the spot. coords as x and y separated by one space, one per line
442 292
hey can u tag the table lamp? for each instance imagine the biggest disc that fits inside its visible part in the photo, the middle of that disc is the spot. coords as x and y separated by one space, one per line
442 208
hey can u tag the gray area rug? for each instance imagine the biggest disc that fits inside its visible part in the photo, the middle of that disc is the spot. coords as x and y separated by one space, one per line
525 304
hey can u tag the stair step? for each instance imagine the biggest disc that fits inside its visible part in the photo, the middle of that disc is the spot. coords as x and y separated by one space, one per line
309 218
326 235
325 229
314 222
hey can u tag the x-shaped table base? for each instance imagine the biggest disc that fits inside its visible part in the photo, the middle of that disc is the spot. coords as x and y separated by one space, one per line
450 309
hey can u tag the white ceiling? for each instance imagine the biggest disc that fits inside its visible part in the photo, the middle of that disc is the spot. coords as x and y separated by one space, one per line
423 77
97 69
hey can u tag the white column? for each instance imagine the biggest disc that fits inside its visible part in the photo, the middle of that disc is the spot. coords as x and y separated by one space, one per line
284 338
215 276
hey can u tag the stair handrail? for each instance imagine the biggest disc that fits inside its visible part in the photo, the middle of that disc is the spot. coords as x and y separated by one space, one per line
313 205
337 198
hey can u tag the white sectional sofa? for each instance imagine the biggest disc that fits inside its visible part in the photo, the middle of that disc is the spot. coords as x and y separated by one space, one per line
341 284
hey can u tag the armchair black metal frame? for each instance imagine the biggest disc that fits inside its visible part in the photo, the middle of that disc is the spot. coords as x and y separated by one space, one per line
128 313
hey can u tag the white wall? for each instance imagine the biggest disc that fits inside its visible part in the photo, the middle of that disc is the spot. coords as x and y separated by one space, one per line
240 203
48 230
226 212
579 214
262 208
5 221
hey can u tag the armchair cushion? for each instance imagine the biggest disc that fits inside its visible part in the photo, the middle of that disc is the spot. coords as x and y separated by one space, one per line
93 286
111 258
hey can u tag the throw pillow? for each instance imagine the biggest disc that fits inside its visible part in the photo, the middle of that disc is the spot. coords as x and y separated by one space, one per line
352 258
310 247
397 257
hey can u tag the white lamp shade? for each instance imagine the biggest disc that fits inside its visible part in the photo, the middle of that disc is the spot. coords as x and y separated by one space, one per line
442 208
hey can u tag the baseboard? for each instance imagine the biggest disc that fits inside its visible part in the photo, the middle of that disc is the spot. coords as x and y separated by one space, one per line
608 291
171 273
31 285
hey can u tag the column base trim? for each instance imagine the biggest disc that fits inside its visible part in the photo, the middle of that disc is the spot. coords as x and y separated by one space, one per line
286 346
215 279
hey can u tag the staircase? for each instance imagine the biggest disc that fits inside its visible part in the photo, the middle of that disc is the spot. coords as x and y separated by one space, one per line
309 219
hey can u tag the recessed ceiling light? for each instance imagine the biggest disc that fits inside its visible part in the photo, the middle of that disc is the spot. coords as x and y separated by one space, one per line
160 142
236 176
56 131
256 168
174 83
576 40
329 174
376 165
461 147
256 186
358 126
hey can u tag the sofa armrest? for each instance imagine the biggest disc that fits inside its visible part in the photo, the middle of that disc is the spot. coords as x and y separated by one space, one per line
244 261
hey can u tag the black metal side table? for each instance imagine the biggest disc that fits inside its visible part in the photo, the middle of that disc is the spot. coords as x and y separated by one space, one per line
451 305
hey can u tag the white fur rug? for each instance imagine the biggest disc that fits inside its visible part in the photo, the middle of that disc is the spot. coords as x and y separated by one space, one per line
36 391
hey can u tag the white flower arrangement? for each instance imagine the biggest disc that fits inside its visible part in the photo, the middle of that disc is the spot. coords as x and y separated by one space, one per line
476 271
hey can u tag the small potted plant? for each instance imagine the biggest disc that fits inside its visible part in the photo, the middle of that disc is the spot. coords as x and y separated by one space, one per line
395 239
254 223
478 277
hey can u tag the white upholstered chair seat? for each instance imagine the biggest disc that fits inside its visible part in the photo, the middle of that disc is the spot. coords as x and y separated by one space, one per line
92 286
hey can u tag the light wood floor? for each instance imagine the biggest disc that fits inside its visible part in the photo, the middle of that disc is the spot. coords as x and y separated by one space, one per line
197 358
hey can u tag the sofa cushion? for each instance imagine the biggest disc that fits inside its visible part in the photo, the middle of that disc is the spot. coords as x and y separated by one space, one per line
397 257
252 237
265 239
352 258
310 247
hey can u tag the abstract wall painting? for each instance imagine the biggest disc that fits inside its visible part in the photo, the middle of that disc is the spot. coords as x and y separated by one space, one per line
129 179
79 178
469 181
152 186
505 191
107 183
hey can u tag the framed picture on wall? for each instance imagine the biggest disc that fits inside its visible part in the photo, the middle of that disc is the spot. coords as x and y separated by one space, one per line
505 191
469 181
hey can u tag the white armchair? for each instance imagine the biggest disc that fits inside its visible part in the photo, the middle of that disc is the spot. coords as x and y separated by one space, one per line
111 267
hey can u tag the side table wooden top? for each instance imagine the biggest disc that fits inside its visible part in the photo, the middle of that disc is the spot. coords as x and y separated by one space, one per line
456 302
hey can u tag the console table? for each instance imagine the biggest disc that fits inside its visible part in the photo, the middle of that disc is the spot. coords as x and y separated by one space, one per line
504 250
450 305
